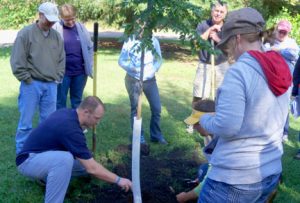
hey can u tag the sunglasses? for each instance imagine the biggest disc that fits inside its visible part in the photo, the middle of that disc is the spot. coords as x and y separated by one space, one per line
282 32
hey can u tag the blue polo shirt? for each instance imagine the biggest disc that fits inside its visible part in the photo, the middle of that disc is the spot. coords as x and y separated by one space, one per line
61 131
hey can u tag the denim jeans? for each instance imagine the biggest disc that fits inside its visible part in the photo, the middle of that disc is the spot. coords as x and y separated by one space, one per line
299 141
286 126
298 97
35 95
150 90
76 85
215 192
55 168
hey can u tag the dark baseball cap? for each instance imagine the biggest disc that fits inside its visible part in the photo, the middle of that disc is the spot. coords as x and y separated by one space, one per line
241 21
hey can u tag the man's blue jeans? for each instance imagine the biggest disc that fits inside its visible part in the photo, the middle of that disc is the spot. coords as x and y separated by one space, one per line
150 89
37 94
55 168
76 84
214 191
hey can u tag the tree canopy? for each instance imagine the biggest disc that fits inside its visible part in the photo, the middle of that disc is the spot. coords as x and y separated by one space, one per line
149 16
180 16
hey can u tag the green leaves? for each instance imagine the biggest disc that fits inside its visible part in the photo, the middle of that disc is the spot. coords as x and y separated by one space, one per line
16 14
146 17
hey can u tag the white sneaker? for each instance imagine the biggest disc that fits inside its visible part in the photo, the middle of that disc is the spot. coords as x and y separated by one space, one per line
285 138
190 129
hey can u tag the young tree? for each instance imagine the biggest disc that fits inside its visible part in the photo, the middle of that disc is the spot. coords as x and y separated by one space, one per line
141 19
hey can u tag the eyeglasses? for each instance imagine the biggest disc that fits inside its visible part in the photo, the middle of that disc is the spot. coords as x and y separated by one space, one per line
69 19
282 32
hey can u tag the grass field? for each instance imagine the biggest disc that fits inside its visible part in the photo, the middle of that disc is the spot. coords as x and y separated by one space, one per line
175 85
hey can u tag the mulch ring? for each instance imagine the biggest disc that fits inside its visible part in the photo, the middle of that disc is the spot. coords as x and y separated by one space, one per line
161 179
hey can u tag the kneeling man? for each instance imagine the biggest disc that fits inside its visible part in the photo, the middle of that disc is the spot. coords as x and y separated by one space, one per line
57 150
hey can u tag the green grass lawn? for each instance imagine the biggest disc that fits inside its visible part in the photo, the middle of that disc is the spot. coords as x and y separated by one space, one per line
175 84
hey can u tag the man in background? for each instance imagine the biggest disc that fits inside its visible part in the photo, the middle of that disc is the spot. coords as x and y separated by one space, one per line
209 30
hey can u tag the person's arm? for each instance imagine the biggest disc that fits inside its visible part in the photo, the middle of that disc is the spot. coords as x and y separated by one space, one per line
124 59
187 196
157 57
61 60
289 49
90 44
87 48
290 54
96 169
229 115
18 59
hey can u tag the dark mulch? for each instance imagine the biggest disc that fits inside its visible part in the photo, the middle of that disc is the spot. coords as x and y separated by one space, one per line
161 179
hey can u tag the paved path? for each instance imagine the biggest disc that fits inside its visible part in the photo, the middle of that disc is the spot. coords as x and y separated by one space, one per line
7 37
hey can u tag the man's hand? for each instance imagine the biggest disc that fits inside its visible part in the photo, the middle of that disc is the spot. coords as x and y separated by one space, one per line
200 129
213 33
182 197
215 28
96 169
125 184
214 36
186 196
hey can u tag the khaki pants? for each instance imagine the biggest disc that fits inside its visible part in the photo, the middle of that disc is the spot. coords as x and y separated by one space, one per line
202 81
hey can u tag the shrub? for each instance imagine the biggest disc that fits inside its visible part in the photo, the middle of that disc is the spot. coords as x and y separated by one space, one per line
17 13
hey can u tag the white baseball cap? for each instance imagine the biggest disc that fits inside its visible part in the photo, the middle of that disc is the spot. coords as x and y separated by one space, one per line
50 11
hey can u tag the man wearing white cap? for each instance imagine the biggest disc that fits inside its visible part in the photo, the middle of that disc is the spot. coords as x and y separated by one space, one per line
38 62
